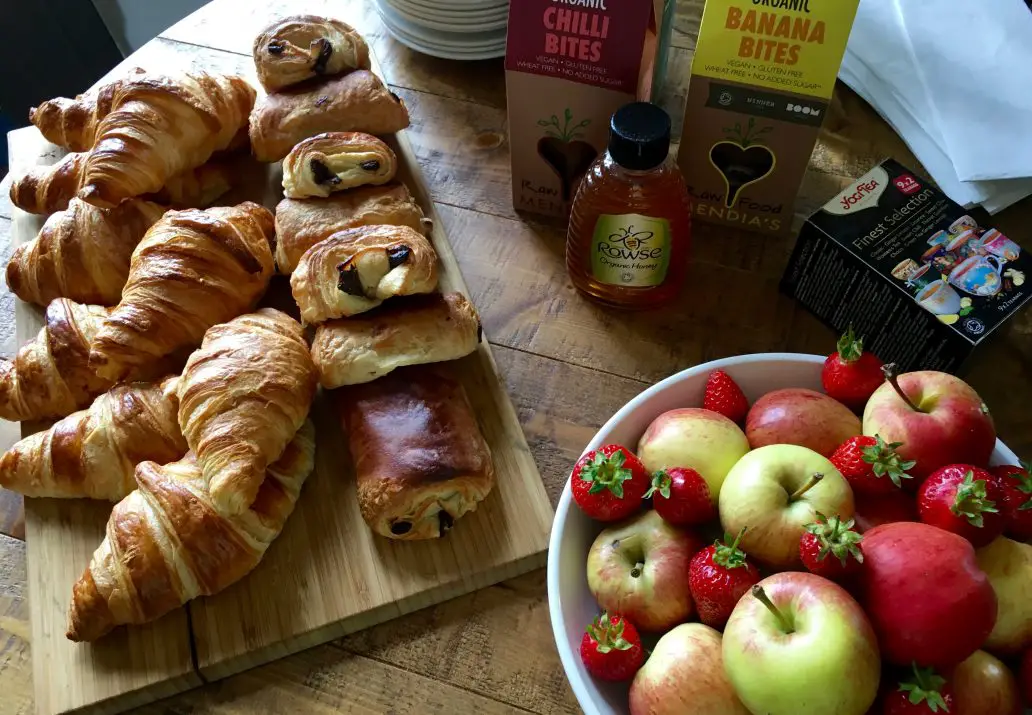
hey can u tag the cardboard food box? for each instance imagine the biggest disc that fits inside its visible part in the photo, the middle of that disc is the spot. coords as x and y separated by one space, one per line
761 80
569 64
909 269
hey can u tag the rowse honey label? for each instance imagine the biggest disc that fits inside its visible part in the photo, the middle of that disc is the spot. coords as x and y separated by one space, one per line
630 250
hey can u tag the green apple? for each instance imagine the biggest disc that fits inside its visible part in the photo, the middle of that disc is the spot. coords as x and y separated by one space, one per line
703 440
1008 564
800 645
685 674
774 492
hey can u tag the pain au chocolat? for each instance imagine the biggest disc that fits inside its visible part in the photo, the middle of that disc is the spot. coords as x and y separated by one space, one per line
421 462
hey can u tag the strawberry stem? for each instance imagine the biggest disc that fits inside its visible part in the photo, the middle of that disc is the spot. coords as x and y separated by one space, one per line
813 481
761 596
893 377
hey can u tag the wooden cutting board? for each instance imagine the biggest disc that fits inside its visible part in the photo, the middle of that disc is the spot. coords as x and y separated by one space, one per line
325 576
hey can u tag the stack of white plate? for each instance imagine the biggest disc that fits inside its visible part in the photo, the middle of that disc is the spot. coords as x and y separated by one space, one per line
452 29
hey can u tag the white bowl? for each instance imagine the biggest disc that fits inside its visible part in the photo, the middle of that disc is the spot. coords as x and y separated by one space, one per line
570 603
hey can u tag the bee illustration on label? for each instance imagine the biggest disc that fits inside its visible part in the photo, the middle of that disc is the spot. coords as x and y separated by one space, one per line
630 238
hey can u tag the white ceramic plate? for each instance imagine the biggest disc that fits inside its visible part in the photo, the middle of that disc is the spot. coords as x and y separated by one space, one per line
466 25
458 41
461 16
426 44
570 603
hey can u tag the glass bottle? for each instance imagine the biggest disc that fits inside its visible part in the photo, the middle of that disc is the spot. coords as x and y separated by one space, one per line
630 225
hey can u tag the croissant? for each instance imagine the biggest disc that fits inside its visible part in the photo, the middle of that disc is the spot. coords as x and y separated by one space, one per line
355 270
300 224
46 189
93 453
167 543
192 269
72 123
81 253
355 102
335 161
49 376
242 396
160 126
294 49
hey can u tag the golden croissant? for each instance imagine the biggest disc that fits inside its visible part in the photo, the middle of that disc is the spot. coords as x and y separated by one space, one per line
166 543
242 396
72 123
192 270
49 376
160 126
294 49
81 253
46 189
355 270
93 453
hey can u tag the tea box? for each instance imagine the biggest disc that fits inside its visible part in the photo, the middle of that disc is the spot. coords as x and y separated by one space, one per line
909 269
761 80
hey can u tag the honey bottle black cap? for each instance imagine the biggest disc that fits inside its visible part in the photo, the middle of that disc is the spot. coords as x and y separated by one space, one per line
639 136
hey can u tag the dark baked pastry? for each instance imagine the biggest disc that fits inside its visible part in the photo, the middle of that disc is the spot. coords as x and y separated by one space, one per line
420 460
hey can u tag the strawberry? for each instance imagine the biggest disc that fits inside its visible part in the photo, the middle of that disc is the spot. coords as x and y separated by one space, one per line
923 693
718 576
963 499
851 375
608 483
1017 498
611 648
831 548
681 497
723 395
871 466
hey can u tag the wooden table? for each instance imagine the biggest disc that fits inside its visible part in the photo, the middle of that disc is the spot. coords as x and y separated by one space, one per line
568 366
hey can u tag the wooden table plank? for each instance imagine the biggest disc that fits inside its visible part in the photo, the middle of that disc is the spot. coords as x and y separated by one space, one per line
15 657
327 680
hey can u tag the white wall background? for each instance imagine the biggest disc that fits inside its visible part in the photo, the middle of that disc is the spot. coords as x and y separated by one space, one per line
133 22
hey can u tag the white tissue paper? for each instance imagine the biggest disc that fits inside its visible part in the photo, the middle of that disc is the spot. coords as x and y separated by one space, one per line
881 64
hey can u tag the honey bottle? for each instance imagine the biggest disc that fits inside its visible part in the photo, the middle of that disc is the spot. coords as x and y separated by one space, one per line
630 225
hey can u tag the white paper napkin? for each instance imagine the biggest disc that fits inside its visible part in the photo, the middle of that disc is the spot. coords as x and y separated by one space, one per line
974 58
879 65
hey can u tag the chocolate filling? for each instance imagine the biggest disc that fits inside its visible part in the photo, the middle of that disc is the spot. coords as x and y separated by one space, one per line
371 165
276 47
396 97
349 281
323 58
480 332
396 255
446 520
322 174
400 528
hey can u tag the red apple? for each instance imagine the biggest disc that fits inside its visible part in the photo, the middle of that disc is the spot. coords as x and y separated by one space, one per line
872 511
685 673
938 417
639 569
982 685
702 440
803 417
927 599
1008 564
